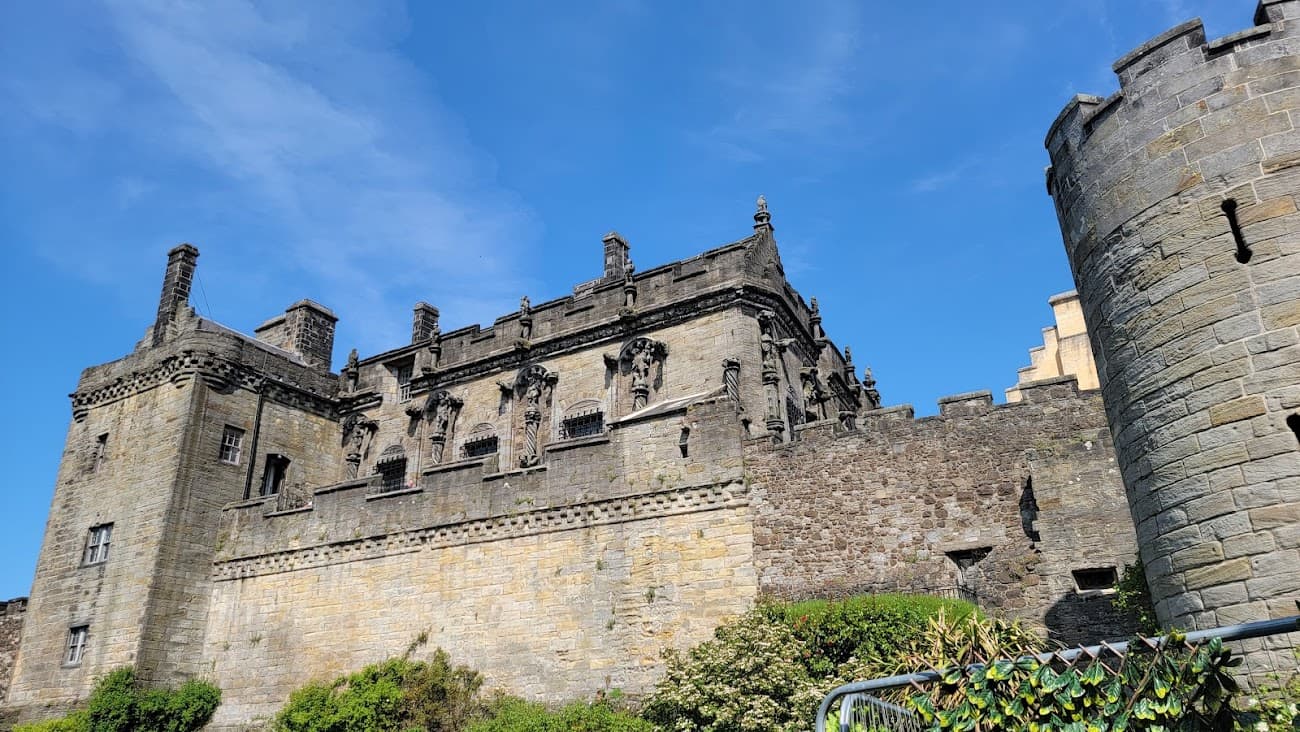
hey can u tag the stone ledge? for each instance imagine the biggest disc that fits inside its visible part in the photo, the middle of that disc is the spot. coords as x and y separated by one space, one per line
571 443
463 464
390 494
515 471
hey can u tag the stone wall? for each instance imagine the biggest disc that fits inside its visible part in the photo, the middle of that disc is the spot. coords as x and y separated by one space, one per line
551 604
12 613
1024 494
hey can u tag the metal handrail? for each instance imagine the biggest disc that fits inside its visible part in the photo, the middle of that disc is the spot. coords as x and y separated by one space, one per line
1243 631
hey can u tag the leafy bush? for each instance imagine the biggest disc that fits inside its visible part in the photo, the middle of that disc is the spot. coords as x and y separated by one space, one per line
872 630
395 695
748 677
1133 598
118 705
516 715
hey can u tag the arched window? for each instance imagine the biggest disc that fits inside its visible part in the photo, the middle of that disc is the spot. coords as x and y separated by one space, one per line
392 466
481 441
584 419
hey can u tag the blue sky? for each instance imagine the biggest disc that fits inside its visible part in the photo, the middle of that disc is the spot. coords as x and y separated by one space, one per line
369 155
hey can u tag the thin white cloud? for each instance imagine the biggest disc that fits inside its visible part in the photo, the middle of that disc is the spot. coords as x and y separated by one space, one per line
311 123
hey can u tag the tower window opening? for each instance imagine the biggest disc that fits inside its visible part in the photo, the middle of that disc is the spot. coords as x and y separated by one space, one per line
1293 421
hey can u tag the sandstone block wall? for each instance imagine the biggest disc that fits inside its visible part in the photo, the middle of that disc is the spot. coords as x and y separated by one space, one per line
1029 492
1177 198
12 613
551 604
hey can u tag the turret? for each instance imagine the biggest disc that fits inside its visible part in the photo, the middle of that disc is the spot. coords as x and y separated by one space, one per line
1177 199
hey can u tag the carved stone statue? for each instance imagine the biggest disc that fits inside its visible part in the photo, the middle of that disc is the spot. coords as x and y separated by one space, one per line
351 371
641 363
355 430
762 203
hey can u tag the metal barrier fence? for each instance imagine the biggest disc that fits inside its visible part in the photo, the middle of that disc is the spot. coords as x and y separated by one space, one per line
857 706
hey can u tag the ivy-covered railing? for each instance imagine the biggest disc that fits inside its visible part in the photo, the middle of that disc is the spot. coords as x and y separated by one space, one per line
1173 682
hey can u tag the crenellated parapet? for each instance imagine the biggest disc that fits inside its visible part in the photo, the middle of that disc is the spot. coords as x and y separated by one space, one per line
1178 203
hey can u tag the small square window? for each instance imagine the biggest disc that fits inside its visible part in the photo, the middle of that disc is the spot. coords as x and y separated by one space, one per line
1098 578
232 445
97 544
77 637
480 446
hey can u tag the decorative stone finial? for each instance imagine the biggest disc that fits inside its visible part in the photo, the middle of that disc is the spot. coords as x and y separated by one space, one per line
762 219
524 305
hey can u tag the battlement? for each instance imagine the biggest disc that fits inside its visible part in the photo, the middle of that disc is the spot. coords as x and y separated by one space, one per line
1160 71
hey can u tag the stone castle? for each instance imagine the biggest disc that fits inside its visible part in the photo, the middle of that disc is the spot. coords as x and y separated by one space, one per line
560 496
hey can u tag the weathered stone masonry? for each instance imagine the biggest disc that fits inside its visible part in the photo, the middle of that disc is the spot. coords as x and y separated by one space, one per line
11 626
1177 198
1026 492
555 499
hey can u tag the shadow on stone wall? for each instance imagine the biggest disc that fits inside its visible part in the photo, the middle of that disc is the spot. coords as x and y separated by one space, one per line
1086 618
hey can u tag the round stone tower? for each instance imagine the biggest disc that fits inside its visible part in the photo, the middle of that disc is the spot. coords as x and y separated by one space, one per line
1177 198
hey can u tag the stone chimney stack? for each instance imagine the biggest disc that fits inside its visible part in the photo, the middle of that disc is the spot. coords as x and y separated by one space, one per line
617 255
425 322
181 261
306 328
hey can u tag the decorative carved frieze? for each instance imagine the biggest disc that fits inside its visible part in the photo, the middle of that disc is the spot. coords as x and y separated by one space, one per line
561 518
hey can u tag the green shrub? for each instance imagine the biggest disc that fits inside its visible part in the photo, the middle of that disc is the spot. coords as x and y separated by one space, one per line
748 677
516 715
874 631
395 695
117 704
1133 599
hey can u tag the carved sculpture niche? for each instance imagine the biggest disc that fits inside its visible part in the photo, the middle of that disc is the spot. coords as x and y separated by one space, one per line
357 428
814 394
532 391
440 410
641 365
772 348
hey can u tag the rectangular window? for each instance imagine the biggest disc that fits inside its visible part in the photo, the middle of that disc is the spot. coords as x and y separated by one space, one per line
404 382
1097 578
97 544
232 445
101 452
583 424
481 446
273 474
77 636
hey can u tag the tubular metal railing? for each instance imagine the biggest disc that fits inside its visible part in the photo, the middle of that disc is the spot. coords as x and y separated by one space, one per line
856 695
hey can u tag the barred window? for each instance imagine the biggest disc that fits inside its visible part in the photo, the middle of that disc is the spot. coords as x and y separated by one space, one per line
97 544
394 475
583 424
480 446
77 637
232 445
